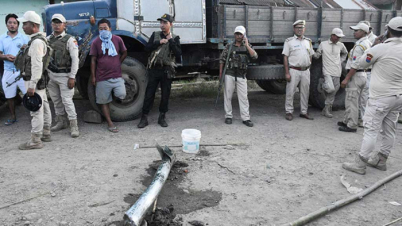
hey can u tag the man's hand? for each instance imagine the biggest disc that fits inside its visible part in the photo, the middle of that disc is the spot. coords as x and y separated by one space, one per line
245 40
378 40
30 92
10 57
71 83
287 75
344 83
93 81
168 37
163 41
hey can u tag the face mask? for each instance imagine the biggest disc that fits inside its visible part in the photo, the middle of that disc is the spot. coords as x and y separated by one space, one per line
105 34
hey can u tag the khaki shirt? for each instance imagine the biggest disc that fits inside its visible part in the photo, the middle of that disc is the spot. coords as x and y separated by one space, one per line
386 75
298 51
371 37
37 51
356 52
333 54
72 47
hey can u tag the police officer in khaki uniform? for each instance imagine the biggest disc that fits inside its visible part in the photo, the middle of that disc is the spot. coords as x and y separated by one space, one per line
35 54
333 53
297 53
62 70
385 101
235 76
355 79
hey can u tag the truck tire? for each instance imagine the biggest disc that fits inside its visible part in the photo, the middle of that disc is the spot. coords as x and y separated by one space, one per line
273 86
134 75
82 82
317 99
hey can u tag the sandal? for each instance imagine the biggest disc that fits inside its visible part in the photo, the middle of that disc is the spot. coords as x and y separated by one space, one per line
113 129
9 122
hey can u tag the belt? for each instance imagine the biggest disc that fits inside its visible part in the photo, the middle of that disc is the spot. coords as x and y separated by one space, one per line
357 70
300 68
54 70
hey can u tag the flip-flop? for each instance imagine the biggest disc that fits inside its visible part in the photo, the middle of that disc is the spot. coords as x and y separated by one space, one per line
9 122
113 129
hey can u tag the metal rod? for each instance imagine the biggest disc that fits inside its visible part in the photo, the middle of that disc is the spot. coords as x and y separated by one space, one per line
135 215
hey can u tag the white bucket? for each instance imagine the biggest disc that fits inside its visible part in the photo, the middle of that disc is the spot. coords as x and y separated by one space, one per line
191 140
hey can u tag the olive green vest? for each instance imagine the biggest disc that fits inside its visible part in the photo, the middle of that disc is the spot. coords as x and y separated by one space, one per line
238 61
61 59
23 61
162 56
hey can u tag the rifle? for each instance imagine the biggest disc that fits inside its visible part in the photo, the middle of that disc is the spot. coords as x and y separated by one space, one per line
222 78
16 80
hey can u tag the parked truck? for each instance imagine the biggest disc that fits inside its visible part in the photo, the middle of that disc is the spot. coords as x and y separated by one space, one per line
204 27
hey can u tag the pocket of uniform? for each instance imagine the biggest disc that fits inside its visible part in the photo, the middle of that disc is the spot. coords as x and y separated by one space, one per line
351 94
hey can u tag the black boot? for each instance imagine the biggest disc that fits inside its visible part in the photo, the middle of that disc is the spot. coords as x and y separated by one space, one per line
161 120
144 121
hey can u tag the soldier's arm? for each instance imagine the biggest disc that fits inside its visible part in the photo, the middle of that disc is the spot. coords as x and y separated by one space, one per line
286 53
344 53
72 46
253 54
151 45
175 46
356 55
370 57
37 53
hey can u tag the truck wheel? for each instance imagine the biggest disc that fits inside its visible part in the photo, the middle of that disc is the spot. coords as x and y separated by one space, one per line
273 86
135 80
317 98
82 81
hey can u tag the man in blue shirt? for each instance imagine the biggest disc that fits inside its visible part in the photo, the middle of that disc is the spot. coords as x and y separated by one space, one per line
10 43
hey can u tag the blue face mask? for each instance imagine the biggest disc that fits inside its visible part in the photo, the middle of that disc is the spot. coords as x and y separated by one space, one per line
105 34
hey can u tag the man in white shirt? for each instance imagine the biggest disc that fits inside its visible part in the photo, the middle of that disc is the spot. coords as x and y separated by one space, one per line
333 52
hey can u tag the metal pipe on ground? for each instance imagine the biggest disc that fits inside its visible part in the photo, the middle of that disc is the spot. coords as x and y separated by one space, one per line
135 215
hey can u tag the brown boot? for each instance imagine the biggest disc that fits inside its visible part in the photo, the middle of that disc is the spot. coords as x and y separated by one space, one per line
358 166
33 143
74 128
46 134
378 161
327 111
61 123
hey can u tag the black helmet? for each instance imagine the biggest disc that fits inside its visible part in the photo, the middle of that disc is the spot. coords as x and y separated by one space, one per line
32 103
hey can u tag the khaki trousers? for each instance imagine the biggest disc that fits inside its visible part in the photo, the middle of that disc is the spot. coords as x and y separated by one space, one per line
364 96
381 117
330 86
230 85
42 117
62 96
299 79
353 89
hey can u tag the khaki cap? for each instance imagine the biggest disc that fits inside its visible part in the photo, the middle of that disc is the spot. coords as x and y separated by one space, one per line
338 32
60 17
361 26
395 23
30 16
302 22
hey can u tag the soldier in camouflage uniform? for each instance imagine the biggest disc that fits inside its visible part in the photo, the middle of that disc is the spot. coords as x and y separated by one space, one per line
235 75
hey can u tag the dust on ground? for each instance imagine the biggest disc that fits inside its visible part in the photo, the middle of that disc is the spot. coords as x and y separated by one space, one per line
284 171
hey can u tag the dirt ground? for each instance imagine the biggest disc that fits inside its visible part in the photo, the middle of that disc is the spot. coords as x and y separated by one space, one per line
284 171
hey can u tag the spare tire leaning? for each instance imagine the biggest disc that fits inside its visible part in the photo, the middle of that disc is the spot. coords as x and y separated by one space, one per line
135 80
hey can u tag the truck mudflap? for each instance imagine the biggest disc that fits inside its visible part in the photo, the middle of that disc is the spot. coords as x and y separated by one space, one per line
266 72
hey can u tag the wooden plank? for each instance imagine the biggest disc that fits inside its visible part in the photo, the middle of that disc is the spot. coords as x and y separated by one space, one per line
331 15
258 28
283 14
235 13
307 15
259 14
352 15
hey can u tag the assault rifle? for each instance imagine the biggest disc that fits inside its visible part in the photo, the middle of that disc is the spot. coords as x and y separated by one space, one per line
222 78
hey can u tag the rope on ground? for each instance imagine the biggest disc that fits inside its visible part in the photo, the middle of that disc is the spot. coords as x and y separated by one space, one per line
392 222
25 200
343 202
